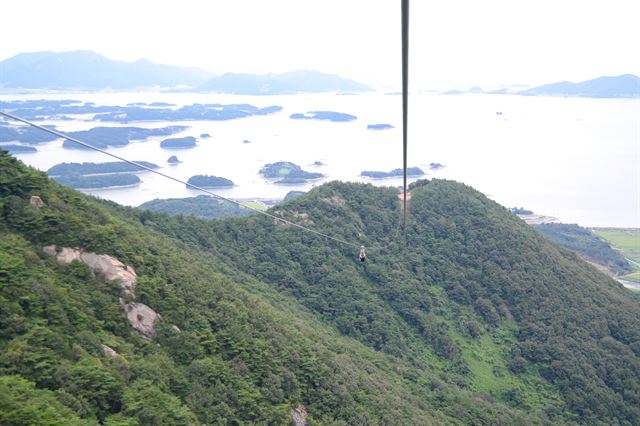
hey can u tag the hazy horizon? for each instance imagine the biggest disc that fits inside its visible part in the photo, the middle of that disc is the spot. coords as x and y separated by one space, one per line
459 44
214 74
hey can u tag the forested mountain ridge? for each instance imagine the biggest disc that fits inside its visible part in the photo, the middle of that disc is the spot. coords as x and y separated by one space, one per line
470 291
239 352
446 324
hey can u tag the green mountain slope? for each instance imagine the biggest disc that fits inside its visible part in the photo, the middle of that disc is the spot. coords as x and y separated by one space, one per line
468 318
203 206
228 348
469 291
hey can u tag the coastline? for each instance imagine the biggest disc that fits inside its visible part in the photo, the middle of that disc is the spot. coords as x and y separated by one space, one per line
107 188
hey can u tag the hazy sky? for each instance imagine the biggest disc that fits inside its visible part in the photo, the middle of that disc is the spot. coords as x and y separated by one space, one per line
454 43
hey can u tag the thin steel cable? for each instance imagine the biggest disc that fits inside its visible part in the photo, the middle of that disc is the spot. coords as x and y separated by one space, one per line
405 98
69 138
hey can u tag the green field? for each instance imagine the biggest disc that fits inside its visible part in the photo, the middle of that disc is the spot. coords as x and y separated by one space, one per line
633 277
255 205
628 242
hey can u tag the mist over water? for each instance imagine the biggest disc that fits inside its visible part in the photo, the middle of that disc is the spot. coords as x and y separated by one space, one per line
573 158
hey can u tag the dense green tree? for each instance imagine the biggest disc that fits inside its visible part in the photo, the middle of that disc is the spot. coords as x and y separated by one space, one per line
21 404
467 317
150 406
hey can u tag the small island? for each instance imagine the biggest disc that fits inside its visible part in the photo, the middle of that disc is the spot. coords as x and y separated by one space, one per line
246 141
206 181
382 126
98 181
318 163
411 171
324 115
18 149
288 173
204 112
88 169
43 109
25 134
179 143
161 104
205 136
291 181
436 166
173 160
104 137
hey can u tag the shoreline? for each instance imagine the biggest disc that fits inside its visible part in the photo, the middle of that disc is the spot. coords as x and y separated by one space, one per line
107 188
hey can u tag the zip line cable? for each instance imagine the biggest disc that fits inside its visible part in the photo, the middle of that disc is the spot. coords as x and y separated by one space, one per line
133 163
405 100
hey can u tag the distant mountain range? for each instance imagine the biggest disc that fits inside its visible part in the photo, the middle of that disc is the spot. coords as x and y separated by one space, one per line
622 86
90 71
303 81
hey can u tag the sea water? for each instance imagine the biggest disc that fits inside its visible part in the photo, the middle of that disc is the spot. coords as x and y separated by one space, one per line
577 159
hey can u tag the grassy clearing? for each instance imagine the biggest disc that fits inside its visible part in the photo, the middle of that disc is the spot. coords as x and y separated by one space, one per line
487 361
255 205
627 240
635 277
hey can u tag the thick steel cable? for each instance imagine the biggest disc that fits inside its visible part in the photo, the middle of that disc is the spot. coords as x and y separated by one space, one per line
133 163
405 98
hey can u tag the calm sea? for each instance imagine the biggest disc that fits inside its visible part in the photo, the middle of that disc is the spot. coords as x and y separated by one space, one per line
576 159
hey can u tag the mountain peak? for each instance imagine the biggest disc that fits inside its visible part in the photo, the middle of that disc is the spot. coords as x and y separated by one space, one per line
621 86
85 69
300 81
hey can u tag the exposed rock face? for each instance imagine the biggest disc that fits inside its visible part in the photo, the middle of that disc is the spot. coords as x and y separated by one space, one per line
112 269
335 200
141 317
50 250
298 217
303 217
66 255
108 351
36 202
299 415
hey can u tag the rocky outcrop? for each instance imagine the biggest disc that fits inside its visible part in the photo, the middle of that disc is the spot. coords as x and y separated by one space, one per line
36 202
335 200
299 415
111 268
108 351
141 317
